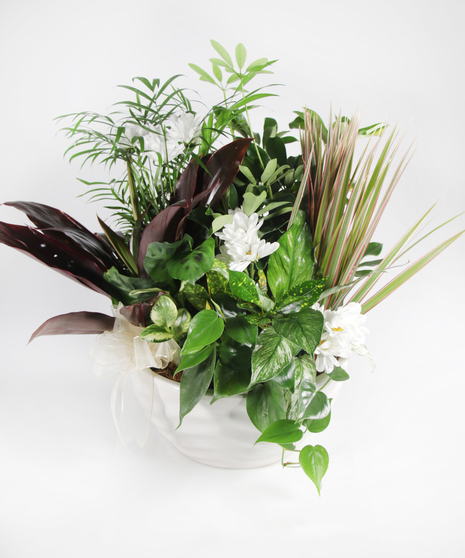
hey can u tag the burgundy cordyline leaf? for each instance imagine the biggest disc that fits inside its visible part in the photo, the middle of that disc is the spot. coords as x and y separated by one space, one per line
75 323
53 254
162 228
138 314
185 187
223 166
68 232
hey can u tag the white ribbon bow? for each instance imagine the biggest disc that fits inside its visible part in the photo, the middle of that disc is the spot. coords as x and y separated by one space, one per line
123 353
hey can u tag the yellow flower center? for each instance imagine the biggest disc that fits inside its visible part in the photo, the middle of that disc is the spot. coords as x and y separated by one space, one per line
337 329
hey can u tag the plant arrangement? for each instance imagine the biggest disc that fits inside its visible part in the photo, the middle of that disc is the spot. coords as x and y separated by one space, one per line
250 269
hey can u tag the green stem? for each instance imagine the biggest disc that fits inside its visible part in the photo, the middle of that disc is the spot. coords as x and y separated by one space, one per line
132 190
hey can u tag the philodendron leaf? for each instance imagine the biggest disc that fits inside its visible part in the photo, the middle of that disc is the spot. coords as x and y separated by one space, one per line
292 263
164 312
314 461
271 354
205 328
339 375
312 404
266 404
281 432
241 331
317 425
189 361
191 266
232 372
194 383
303 328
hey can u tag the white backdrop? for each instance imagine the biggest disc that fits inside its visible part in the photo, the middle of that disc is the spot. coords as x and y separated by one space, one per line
395 483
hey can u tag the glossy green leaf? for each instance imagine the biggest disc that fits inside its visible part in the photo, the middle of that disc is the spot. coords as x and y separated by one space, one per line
266 404
157 257
164 312
303 328
189 361
292 263
314 462
181 324
271 354
339 375
307 391
232 372
194 383
286 378
195 294
373 249
205 328
301 296
191 266
317 425
311 404
281 432
242 331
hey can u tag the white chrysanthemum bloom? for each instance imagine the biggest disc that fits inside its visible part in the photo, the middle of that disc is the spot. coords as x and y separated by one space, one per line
242 245
184 128
131 131
343 333
155 143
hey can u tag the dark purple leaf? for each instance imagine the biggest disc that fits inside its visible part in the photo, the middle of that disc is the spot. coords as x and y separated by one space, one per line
139 314
53 254
223 166
75 323
185 187
68 232
162 228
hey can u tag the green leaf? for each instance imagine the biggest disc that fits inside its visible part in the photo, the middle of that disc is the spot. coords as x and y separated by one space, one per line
189 361
241 55
164 312
232 372
222 52
307 391
339 375
248 174
373 249
314 461
286 378
121 286
240 330
191 266
252 202
303 295
157 257
243 287
194 383
281 432
195 294
269 170
156 334
373 130
316 406
217 72
218 279
303 328
292 263
272 353
266 404
181 324
305 368
317 425
204 76
205 328
221 221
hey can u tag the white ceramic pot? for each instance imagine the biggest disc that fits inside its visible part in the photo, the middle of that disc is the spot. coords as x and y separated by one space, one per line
219 435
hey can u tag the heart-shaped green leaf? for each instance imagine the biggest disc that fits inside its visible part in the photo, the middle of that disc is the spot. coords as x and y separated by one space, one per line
314 461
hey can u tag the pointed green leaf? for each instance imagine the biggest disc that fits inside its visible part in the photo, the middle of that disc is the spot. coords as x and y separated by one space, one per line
156 334
314 461
271 354
205 328
189 361
339 375
266 404
191 266
281 432
303 328
241 55
222 52
164 312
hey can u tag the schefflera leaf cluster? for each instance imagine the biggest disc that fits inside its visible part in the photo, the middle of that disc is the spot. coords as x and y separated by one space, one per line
257 336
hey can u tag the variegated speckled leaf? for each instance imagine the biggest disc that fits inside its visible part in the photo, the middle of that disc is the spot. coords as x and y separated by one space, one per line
303 295
271 354
246 289
302 328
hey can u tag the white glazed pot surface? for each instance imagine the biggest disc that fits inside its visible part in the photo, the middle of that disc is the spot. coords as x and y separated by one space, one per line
219 435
